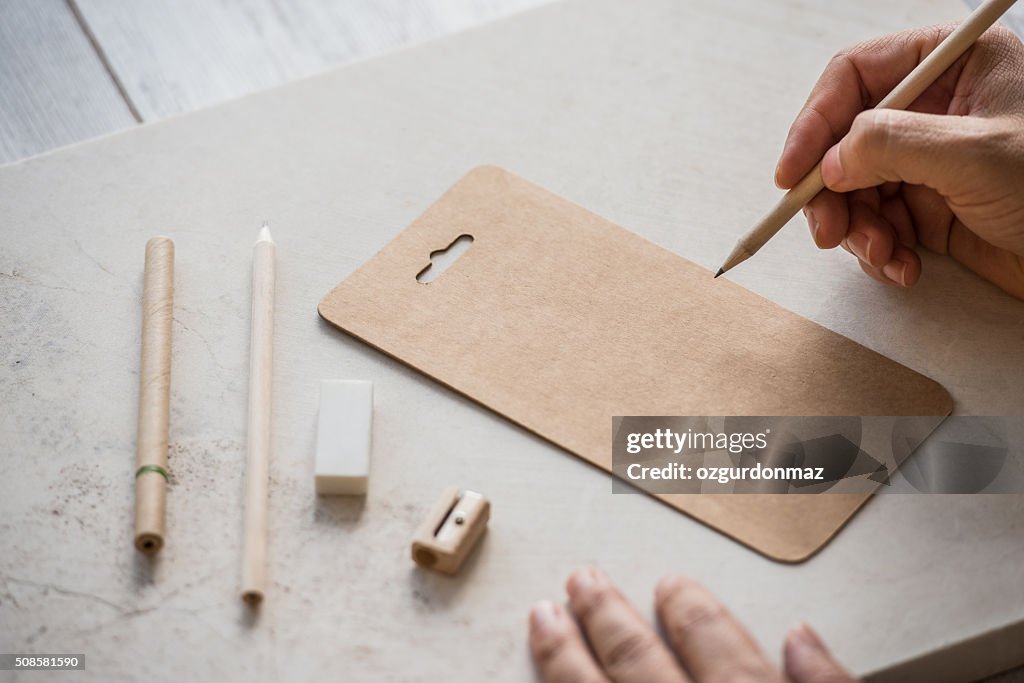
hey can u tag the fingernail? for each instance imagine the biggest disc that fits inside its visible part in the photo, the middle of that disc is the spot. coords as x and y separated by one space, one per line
665 586
812 221
778 168
859 244
584 580
896 271
544 617
832 167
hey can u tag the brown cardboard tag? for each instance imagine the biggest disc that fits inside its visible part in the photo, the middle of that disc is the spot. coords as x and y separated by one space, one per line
559 319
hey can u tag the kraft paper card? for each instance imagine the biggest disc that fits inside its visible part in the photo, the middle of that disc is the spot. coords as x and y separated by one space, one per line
559 320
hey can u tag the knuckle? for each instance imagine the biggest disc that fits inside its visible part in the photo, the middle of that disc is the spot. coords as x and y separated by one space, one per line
629 648
871 134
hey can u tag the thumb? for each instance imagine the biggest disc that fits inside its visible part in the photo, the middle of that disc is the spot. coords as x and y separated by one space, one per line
807 660
887 145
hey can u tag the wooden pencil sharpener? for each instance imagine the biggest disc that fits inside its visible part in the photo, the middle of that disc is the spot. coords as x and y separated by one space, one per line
446 537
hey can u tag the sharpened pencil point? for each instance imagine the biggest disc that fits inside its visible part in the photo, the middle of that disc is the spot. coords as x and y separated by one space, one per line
265 234
720 271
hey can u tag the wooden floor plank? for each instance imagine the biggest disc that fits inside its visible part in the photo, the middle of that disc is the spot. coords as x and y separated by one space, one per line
54 90
174 56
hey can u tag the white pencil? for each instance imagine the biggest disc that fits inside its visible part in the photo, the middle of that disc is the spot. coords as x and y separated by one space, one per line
261 357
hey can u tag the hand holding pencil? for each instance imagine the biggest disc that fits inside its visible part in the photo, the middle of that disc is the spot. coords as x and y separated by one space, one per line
946 174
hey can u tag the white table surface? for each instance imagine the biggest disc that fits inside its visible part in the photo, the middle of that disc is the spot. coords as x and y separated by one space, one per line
651 113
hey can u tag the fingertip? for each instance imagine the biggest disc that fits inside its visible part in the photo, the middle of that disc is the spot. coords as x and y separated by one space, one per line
871 238
812 224
782 168
828 218
667 585
796 649
807 635
806 658
860 245
546 618
790 644
904 270
785 176
675 587
583 580
557 646
912 273
896 272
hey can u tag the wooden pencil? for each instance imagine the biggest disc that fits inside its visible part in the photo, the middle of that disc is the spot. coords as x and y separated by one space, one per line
901 97
261 353
154 396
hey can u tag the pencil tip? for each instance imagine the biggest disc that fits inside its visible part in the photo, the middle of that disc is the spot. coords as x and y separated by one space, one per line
720 271
265 234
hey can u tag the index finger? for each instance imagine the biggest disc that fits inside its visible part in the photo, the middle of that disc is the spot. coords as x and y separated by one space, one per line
710 643
854 80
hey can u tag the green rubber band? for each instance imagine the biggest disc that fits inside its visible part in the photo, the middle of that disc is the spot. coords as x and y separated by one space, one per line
151 468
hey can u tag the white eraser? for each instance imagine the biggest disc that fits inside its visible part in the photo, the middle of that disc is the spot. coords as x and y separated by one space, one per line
343 437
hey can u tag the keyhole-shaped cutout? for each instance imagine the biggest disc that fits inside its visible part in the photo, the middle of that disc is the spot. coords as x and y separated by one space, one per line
443 259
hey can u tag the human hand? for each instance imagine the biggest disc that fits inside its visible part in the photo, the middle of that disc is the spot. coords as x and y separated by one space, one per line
947 174
705 642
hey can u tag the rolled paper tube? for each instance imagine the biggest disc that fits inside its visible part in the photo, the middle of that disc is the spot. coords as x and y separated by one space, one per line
154 396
